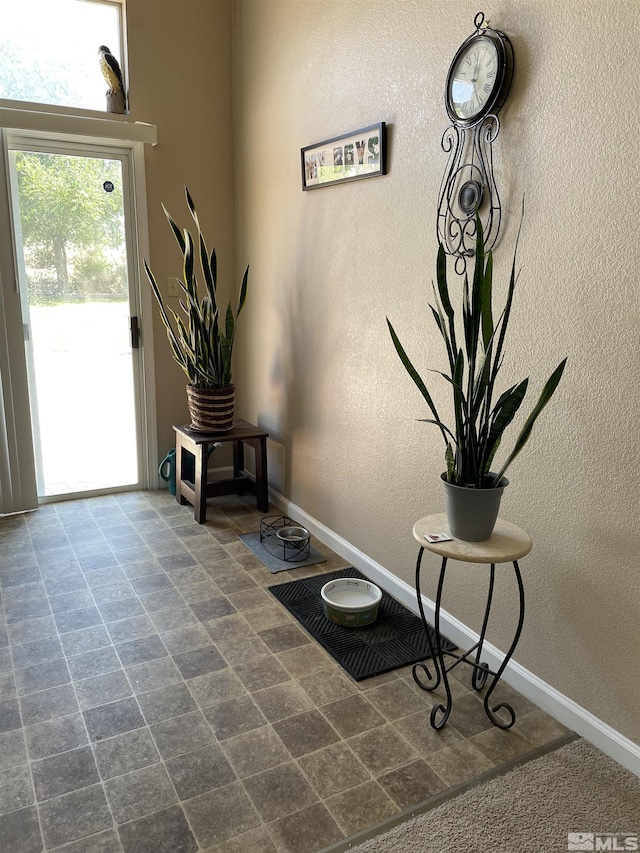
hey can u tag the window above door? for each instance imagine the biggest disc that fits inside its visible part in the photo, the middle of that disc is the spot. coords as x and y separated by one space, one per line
49 51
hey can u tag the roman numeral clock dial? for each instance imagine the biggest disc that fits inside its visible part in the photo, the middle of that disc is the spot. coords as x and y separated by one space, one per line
473 79
477 86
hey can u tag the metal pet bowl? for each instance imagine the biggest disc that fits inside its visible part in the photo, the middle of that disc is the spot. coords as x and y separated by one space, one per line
285 539
293 534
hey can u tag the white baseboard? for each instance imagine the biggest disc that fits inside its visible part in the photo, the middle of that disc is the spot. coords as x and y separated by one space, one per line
559 706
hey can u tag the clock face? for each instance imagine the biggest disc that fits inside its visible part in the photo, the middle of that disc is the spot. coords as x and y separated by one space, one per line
474 79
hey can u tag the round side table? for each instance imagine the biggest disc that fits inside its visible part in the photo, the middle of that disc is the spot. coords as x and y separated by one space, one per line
507 545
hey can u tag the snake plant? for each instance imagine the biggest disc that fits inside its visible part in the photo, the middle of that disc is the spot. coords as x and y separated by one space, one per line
202 342
479 417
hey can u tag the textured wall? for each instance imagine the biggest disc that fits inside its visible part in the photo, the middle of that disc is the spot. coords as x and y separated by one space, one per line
180 80
317 366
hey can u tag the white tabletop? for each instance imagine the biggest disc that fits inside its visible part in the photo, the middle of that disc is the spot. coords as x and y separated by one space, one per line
507 543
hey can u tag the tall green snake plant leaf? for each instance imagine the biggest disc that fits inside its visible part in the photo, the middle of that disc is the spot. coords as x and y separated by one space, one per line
201 341
476 433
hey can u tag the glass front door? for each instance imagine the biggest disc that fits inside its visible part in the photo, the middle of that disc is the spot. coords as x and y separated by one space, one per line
78 312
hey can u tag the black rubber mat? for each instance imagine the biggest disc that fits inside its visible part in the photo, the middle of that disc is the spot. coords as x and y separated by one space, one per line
397 637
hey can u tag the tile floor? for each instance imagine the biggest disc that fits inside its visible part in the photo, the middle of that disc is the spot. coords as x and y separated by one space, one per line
154 697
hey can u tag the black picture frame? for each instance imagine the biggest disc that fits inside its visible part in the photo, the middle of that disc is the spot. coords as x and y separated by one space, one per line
350 157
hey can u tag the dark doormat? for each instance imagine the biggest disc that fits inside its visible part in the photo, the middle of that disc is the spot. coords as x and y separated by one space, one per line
397 637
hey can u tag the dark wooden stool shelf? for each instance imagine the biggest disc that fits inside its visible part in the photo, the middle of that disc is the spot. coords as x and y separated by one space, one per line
197 444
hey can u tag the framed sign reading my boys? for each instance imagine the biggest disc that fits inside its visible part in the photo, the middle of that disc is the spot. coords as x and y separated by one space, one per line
361 154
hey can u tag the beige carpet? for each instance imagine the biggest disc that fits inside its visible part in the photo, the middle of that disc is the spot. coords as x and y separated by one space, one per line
531 809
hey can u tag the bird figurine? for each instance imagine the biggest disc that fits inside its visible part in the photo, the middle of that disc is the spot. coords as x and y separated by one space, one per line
116 98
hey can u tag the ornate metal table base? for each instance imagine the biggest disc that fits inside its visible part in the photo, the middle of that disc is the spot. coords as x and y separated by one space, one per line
506 545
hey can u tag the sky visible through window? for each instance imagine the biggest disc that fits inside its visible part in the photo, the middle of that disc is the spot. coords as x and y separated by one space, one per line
49 51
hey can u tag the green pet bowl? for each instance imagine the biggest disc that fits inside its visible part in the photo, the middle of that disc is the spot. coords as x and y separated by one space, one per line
351 602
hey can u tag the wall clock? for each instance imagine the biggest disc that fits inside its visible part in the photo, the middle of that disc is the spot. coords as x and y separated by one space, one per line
477 87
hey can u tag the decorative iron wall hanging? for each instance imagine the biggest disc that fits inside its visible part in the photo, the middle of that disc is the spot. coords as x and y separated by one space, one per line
478 84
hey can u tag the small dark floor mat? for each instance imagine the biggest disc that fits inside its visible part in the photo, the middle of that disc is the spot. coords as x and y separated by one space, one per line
397 637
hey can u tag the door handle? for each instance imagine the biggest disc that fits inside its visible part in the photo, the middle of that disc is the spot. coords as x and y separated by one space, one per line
135 333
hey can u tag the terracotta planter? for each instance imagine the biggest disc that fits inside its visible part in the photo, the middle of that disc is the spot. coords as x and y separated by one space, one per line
211 409
472 513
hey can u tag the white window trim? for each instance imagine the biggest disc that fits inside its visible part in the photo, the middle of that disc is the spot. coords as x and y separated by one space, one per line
19 115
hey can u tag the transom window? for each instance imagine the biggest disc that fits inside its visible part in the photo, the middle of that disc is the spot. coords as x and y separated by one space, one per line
49 50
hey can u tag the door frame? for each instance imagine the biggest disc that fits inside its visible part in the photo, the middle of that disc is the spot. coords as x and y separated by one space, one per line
131 154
